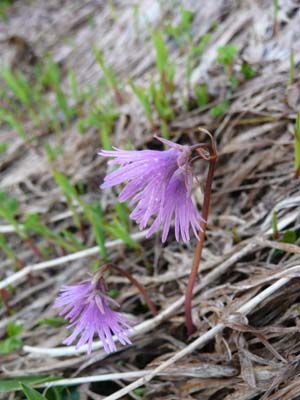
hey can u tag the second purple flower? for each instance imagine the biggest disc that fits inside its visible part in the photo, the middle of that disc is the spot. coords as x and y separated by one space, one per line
86 307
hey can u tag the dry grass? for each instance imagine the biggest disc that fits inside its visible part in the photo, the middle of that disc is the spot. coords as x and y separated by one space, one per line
251 347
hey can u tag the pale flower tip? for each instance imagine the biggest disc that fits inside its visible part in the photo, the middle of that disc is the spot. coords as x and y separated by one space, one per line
149 234
164 141
102 153
159 138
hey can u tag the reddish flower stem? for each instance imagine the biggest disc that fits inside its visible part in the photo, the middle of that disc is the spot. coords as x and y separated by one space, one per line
5 296
198 251
19 264
139 286
34 248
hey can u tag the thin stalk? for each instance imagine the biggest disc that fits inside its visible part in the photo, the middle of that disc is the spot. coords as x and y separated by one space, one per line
292 68
275 234
139 286
199 247
19 264
297 147
5 295
34 248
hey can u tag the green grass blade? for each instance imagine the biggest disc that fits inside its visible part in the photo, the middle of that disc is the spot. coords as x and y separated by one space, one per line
96 218
161 52
31 394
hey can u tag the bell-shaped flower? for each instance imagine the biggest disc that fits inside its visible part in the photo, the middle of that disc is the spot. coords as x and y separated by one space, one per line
157 184
86 307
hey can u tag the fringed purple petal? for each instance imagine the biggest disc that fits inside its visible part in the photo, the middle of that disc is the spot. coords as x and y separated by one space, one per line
87 319
178 202
157 184
146 174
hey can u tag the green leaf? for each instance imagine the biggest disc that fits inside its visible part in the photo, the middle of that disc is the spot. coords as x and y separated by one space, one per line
15 84
8 206
247 71
65 184
219 109
226 54
161 50
164 129
108 72
73 85
12 384
4 6
198 50
56 322
32 394
274 225
103 119
292 71
14 329
161 103
104 136
114 293
181 32
143 98
123 214
201 93
276 8
95 215
62 103
297 144
233 80
186 18
73 241
117 230
10 344
140 391
289 237
34 223
3 147
10 253
11 120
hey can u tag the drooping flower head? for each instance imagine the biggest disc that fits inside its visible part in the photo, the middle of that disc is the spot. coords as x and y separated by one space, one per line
158 185
86 307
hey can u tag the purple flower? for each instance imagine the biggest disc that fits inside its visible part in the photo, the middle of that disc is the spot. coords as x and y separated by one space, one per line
86 307
158 184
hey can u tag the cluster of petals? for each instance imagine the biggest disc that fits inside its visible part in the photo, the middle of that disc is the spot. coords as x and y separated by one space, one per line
158 186
86 307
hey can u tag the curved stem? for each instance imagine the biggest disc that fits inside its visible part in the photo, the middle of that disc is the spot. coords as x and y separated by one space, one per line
212 141
198 251
139 286
200 146
34 248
